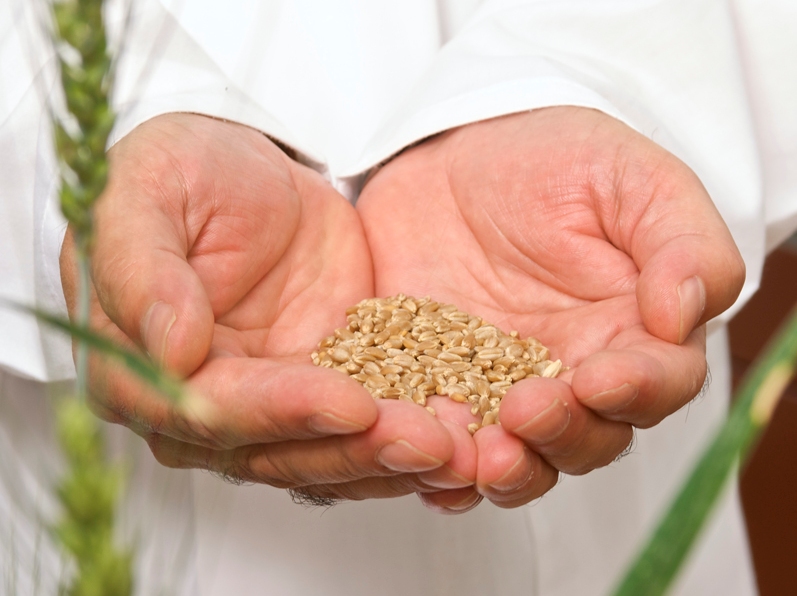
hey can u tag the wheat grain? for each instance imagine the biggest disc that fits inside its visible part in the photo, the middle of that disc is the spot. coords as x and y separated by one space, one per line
409 349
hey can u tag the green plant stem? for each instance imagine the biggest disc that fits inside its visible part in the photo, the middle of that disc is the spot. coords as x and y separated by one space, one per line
144 369
656 567
84 308
90 490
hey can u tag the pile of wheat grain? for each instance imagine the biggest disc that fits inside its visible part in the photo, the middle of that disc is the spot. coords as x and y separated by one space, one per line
408 348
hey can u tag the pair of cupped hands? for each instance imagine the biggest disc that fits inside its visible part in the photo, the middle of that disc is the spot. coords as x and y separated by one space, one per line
227 261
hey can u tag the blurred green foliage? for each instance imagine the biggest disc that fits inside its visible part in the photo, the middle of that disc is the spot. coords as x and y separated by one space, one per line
88 494
91 488
85 77
658 562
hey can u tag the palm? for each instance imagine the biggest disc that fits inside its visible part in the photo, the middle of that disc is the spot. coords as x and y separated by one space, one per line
278 253
228 261
538 224
284 281
511 231
258 255
520 266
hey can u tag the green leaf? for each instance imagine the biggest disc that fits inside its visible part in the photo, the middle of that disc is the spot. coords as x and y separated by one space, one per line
143 368
657 565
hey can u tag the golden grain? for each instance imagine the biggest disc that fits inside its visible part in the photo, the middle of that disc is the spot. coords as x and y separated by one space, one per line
409 349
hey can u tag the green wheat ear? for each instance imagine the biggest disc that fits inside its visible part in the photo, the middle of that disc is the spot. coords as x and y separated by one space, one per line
90 490
85 77
89 494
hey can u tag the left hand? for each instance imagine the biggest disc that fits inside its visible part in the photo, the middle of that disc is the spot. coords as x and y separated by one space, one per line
568 226
226 261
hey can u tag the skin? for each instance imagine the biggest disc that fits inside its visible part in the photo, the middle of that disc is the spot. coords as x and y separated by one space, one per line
566 225
227 261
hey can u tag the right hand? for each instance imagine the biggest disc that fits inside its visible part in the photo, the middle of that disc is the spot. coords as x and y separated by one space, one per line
565 224
226 261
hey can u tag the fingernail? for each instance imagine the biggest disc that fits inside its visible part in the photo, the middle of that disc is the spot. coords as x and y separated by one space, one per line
548 424
517 476
613 399
692 296
446 478
329 424
155 329
403 457
465 504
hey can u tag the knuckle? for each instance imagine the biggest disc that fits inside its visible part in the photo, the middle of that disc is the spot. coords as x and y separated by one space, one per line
738 271
586 464
198 431
579 468
652 416
342 492
107 413
163 455
267 469
351 468
110 410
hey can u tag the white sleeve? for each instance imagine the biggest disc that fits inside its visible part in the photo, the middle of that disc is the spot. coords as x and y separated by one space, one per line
31 225
767 37
165 68
319 76
709 80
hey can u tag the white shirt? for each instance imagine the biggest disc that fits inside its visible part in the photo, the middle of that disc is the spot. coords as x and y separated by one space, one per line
348 84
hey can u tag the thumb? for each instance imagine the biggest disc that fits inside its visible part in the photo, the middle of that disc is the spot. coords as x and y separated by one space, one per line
690 268
147 287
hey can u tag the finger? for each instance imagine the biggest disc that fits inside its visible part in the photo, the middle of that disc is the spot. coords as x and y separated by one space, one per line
456 476
509 473
643 381
67 264
451 502
690 267
241 401
458 473
388 487
569 436
195 212
454 412
441 501
460 469
145 284
177 454
405 438
680 288
384 487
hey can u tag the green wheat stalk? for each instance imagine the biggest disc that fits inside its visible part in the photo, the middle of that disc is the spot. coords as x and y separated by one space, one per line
90 490
657 565
167 386
85 77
